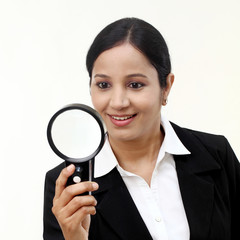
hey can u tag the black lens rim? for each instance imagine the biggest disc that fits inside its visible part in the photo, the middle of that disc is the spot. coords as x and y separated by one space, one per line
87 109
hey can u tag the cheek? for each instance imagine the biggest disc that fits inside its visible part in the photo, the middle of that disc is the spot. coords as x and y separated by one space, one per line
150 101
95 102
93 98
98 101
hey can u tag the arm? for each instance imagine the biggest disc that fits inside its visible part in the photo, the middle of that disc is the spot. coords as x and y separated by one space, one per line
233 170
51 228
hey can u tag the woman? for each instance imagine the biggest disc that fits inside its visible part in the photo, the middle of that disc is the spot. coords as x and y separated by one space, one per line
160 181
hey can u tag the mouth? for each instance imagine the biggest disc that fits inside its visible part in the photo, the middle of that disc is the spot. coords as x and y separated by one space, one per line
122 118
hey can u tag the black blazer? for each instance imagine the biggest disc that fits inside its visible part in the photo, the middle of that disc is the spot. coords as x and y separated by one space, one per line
209 180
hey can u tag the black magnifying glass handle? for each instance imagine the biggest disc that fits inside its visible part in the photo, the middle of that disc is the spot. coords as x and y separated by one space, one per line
83 172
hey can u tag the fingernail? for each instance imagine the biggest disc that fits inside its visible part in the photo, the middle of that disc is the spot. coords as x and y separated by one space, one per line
95 186
70 168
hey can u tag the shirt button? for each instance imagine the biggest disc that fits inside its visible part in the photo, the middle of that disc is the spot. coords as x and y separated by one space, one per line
158 219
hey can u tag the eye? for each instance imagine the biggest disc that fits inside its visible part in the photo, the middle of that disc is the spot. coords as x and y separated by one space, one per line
103 85
135 85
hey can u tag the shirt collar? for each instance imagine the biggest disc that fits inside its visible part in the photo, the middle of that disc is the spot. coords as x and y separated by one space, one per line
105 161
171 142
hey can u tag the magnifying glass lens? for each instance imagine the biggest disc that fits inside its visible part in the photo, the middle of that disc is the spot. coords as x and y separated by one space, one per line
76 133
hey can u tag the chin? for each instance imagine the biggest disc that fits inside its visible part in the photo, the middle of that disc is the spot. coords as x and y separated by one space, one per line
121 135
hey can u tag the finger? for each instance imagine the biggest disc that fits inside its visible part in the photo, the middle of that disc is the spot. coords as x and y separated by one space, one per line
62 179
79 216
76 189
77 203
86 223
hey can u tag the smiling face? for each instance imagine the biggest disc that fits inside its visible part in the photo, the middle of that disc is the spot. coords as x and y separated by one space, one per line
125 90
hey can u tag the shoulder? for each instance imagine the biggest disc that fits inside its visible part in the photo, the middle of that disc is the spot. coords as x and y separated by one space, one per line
216 146
52 175
210 141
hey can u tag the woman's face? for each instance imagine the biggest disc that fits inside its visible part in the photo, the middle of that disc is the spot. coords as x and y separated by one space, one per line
126 92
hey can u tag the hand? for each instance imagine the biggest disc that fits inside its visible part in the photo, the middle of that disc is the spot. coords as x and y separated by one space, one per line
73 211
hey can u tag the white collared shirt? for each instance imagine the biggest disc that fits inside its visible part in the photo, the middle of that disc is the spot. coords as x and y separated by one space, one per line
160 205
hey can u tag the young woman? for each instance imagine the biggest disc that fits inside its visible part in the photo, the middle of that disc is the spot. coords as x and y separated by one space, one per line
160 181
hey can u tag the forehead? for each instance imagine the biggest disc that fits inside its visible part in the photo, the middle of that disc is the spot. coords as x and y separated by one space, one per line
121 57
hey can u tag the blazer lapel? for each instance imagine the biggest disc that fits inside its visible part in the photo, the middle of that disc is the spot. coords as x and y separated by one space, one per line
196 185
118 209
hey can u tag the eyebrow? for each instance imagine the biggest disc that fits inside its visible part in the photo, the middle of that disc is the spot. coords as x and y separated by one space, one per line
101 76
128 76
136 75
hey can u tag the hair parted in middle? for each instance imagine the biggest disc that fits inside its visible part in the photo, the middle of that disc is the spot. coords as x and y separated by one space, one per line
141 35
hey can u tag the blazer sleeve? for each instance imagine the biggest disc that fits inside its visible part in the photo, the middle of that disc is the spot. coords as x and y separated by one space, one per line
227 183
51 228
232 166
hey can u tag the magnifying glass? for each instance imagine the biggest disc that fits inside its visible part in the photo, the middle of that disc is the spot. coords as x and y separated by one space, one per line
76 134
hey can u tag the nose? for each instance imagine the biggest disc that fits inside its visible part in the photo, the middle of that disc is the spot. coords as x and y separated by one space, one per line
119 99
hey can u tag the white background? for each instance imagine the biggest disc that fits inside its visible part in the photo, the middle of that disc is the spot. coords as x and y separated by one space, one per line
43 45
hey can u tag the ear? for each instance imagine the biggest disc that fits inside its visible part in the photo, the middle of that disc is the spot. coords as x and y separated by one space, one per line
167 89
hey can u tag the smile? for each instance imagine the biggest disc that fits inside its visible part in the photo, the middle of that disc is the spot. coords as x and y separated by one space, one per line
122 118
122 121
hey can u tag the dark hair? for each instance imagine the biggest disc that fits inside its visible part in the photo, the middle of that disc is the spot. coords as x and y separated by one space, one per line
140 35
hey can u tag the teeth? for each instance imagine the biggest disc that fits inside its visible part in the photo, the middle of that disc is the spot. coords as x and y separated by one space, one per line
121 118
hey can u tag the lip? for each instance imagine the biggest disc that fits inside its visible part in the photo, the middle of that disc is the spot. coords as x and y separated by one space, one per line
122 120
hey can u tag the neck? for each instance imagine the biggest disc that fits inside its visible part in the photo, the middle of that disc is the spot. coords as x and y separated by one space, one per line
136 155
